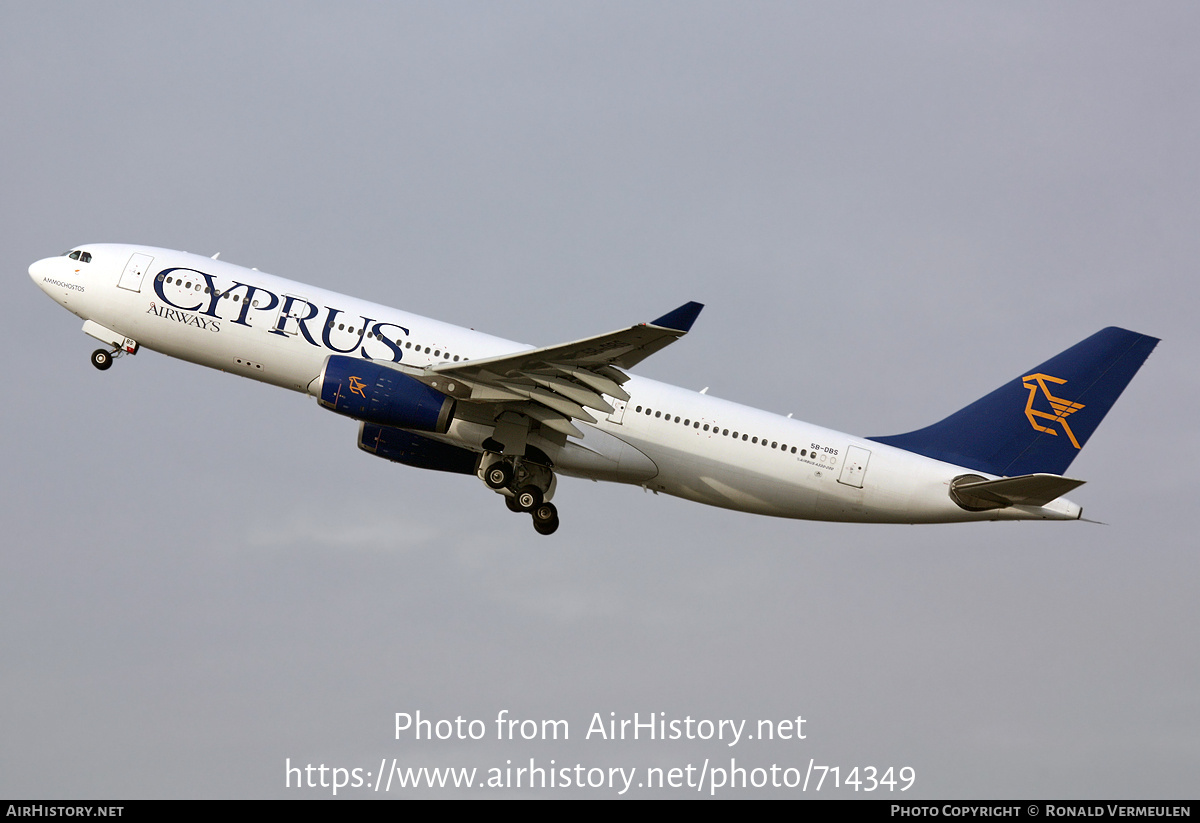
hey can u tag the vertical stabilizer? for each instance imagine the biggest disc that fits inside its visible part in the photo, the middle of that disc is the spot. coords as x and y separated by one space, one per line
1039 421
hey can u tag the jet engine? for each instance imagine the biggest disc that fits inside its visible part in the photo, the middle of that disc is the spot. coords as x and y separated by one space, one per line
375 393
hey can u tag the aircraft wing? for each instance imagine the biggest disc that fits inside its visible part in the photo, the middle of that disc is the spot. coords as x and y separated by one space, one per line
557 384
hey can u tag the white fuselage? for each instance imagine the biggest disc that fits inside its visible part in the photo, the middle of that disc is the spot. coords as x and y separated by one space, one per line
664 438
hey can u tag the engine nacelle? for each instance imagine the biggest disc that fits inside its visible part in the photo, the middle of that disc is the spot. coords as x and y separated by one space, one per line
375 393
414 450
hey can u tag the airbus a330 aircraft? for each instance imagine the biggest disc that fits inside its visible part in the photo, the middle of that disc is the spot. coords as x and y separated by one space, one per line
438 396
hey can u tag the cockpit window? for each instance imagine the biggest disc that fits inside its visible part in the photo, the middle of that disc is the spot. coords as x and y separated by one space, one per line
85 257
75 255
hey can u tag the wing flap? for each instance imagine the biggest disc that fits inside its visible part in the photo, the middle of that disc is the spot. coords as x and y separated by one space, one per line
568 408
551 386
580 394
551 420
597 382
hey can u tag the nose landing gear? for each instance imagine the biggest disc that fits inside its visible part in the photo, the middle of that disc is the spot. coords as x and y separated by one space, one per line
102 359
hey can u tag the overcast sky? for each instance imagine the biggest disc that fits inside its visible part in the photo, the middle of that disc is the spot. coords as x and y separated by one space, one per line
888 210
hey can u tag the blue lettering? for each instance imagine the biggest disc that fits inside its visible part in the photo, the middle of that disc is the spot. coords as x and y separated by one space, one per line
286 314
158 289
397 352
247 301
333 313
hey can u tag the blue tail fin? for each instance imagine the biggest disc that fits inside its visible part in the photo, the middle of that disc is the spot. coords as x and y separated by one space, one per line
1039 421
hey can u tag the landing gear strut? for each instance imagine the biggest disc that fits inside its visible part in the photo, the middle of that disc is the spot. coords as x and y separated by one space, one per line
118 344
527 484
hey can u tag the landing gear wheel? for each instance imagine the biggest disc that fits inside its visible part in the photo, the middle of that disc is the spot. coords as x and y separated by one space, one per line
101 359
498 475
545 519
546 528
511 502
528 498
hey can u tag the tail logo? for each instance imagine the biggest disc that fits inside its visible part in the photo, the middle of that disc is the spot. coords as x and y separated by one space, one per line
1062 409
357 386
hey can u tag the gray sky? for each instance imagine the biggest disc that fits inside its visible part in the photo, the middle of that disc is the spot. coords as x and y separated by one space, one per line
889 209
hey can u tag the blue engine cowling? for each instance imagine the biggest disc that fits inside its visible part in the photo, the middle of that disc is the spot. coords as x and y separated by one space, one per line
368 391
414 450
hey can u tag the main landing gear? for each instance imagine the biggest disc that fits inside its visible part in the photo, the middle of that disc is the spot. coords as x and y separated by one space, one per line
526 484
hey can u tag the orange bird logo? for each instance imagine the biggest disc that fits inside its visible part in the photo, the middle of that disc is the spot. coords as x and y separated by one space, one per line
357 386
1062 409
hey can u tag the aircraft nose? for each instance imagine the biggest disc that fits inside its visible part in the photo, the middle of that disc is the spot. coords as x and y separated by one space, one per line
41 269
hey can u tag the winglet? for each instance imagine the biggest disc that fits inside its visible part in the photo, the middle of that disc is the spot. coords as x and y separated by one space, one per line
681 319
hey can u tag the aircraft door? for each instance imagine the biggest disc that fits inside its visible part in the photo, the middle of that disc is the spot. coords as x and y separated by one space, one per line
135 269
618 412
293 311
854 467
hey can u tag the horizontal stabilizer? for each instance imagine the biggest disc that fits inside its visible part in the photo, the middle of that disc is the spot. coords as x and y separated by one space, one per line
974 493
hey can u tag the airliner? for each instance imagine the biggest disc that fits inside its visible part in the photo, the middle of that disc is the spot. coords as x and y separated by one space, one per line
437 396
